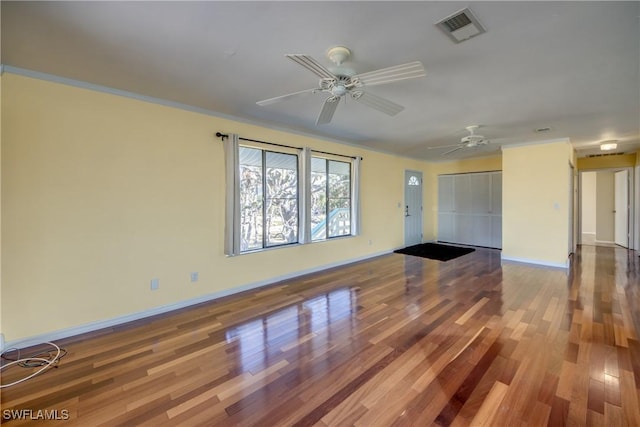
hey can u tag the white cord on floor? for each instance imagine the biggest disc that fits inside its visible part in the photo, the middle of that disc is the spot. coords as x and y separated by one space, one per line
47 364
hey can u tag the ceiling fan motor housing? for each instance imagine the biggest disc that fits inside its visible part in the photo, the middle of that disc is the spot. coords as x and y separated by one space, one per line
473 140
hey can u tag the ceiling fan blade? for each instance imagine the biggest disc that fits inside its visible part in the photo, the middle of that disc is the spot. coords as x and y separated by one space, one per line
410 70
460 147
374 101
443 146
328 108
312 65
284 97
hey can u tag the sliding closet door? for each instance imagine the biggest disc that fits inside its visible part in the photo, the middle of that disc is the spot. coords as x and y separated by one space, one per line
480 213
470 209
462 197
446 209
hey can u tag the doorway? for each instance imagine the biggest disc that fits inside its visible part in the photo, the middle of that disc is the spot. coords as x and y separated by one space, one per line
412 207
606 206
621 209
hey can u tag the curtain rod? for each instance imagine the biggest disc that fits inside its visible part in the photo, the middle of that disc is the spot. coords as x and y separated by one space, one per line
222 136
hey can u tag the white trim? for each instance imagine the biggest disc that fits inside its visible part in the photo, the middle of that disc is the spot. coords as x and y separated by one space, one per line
107 323
606 242
536 262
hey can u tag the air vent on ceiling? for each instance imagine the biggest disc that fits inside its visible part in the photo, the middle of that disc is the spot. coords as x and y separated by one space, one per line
461 26
542 130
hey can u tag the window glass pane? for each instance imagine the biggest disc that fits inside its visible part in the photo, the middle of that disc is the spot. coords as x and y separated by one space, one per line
339 223
318 165
340 168
339 180
250 163
339 210
318 198
281 213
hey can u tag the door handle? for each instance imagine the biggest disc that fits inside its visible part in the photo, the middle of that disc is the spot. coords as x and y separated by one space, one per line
406 211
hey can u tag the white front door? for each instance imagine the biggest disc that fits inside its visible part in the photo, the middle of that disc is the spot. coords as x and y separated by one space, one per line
412 208
621 217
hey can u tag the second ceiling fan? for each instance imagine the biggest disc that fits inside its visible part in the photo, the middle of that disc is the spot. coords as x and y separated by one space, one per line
338 81
470 141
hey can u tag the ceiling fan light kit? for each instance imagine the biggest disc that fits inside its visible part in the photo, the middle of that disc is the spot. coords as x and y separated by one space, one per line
338 81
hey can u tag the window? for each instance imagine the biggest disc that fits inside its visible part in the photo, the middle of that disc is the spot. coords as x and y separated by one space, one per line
414 180
278 195
330 198
268 198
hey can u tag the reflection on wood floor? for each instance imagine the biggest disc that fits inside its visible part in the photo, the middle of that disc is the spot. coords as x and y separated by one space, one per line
396 340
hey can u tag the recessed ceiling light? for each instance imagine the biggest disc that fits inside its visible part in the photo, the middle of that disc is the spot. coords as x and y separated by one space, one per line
609 145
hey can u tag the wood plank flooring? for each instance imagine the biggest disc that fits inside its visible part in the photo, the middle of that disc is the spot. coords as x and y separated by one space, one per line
396 340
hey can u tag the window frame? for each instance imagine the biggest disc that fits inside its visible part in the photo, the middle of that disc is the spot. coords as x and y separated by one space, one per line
264 152
233 230
327 191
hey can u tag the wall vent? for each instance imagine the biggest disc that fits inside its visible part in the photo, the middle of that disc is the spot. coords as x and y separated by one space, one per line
605 154
461 26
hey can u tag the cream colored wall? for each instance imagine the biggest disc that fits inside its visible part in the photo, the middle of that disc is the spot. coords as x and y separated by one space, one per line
589 202
483 164
605 205
535 203
102 193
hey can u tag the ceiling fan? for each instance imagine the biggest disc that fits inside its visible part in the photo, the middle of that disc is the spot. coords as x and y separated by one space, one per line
338 81
469 141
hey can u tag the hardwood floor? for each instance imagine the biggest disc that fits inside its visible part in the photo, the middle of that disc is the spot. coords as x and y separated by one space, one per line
397 340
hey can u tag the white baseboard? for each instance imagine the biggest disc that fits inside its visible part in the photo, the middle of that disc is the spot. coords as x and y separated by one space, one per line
539 263
107 323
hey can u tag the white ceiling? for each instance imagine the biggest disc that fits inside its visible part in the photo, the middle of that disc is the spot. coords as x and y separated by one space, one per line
570 66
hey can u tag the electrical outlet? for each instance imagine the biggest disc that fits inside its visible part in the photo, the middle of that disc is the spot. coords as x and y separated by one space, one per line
194 276
155 284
